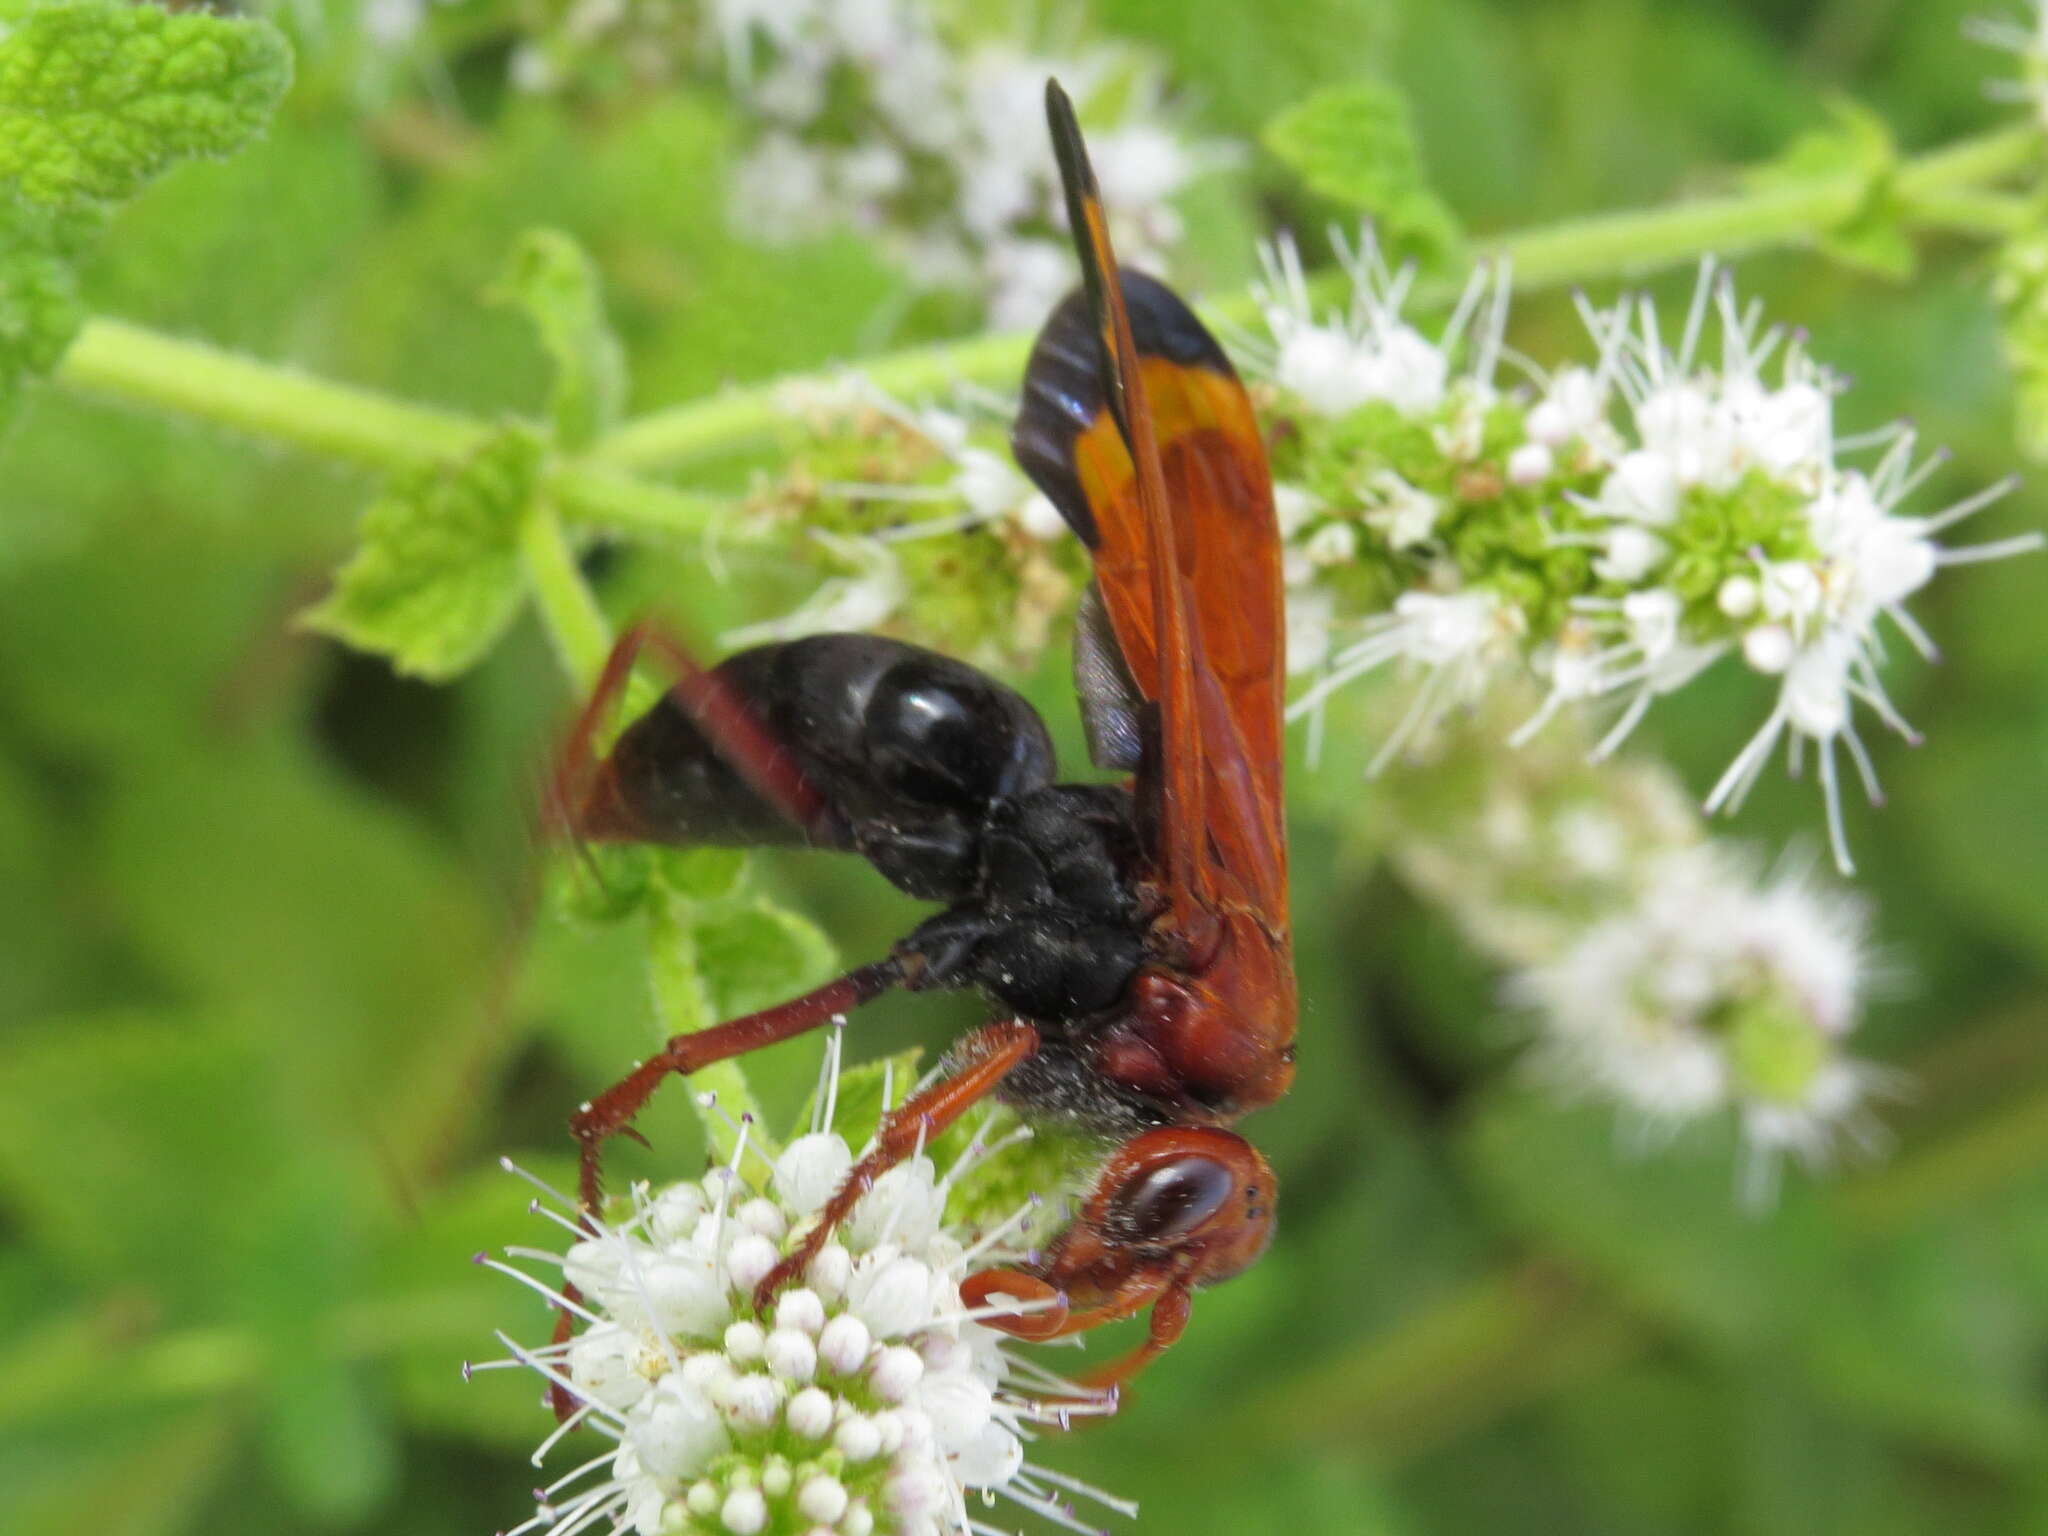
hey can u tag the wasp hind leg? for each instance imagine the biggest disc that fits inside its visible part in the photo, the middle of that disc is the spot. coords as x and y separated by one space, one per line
586 798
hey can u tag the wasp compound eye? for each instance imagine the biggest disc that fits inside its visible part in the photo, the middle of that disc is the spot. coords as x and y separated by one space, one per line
1171 1200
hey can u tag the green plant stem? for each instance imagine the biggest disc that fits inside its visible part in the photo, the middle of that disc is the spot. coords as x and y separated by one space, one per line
1932 188
1950 188
279 404
189 378
568 608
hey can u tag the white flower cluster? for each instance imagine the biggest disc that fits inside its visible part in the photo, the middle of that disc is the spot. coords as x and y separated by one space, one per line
1715 991
923 472
1659 971
878 115
870 1402
1616 532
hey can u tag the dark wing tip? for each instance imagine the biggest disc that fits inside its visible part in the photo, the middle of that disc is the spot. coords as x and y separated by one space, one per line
1077 176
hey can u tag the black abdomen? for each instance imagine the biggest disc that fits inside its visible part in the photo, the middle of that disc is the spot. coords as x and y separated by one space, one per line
906 749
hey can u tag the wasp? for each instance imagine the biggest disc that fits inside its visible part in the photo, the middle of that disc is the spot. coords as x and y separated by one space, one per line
1133 936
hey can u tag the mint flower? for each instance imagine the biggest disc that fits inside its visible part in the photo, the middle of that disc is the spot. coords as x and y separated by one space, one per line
1658 970
1612 534
1716 991
879 116
870 1402
878 487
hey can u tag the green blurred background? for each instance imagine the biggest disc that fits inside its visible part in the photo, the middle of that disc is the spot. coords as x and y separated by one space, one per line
274 994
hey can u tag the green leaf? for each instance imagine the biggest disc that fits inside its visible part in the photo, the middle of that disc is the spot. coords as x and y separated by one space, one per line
437 577
1856 146
551 278
40 307
1355 144
714 957
97 97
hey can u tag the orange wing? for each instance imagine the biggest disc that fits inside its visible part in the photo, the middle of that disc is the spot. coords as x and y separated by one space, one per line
1136 426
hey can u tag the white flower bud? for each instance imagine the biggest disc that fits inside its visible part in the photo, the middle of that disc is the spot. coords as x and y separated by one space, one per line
1652 618
1413 371
830 1271
810 1413
810 1169
749 1260
895 1373
1572 407
800 1309
822 1499
1768 648
1632 553
752 1401
1531 464
744 1341
792 1355
765 1217
703 1498
776 1478
916 1492
1040 519
843 1344
859 1521
858 1439
745 1512
1738 597
1404 514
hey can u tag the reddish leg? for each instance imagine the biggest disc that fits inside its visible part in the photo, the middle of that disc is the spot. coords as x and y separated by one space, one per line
1169 1319
612 1111
991 1053
722 715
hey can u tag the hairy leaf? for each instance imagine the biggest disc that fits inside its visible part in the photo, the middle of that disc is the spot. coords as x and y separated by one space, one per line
1356 145
40 307
437 577
97 97
550 277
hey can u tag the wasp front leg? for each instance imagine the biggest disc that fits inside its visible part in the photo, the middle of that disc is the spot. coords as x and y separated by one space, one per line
987 1056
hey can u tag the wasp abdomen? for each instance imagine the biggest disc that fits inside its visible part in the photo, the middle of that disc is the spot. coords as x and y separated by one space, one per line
905 750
